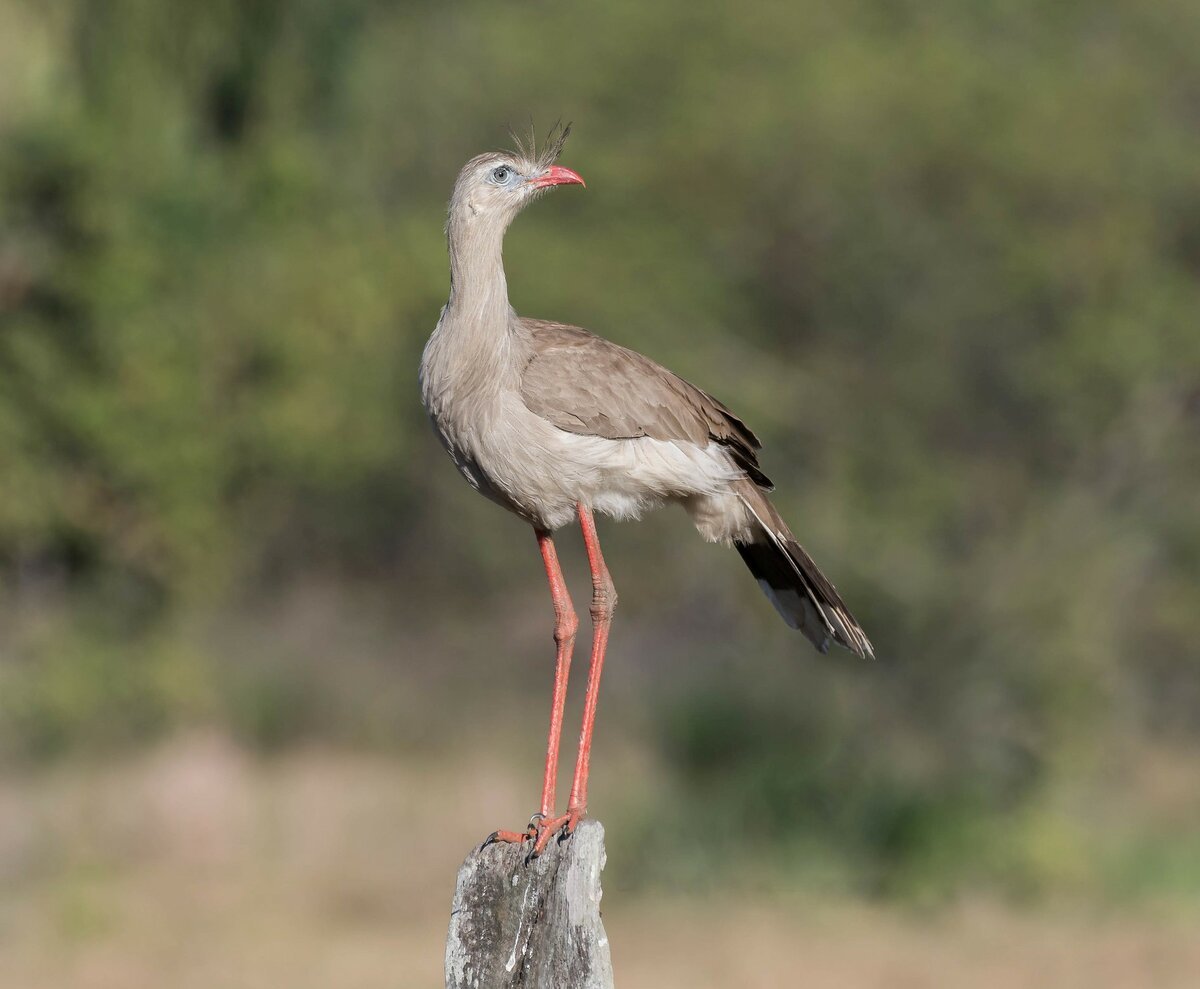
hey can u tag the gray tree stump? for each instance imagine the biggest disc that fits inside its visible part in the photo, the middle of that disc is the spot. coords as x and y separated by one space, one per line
532 926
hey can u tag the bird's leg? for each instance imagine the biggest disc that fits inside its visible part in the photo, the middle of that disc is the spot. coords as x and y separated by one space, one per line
566 624
604 603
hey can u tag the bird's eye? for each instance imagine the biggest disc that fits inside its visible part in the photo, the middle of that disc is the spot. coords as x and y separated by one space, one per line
501 173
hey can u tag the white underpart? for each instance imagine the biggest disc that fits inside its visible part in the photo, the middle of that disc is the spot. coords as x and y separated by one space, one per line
543 471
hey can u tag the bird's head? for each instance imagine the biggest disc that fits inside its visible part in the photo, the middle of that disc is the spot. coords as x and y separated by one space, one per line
494 187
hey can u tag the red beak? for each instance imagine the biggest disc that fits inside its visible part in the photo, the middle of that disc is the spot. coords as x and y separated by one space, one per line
557 175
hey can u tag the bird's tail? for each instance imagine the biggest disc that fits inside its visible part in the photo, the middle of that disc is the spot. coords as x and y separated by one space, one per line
791 580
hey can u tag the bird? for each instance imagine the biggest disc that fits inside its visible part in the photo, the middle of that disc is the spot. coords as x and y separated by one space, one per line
557 424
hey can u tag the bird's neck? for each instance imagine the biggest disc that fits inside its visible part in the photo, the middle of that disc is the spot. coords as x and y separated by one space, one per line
478 288
474 351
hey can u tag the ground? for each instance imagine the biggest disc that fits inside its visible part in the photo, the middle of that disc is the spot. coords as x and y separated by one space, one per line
200 866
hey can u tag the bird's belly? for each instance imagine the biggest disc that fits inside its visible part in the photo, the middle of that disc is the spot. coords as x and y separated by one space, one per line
540 472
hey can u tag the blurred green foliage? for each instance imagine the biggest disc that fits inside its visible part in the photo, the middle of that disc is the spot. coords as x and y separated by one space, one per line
944 257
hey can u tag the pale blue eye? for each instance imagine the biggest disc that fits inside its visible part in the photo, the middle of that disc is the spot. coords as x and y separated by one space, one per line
501 174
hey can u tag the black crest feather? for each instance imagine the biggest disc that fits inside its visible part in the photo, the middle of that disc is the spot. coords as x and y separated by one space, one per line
552 146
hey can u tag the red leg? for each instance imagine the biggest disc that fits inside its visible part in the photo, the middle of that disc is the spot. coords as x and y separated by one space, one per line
604 603
566 623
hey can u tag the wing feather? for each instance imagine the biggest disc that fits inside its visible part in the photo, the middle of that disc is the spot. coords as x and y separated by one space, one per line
585 384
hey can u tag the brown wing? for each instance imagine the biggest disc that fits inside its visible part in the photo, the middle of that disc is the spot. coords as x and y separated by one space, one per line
585 384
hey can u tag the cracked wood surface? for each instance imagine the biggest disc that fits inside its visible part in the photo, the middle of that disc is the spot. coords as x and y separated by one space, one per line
530 925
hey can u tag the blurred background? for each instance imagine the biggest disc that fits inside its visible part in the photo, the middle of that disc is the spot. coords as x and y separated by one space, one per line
269 668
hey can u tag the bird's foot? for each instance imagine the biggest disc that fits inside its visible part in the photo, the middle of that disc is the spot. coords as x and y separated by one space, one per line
563 826
540 830
516 837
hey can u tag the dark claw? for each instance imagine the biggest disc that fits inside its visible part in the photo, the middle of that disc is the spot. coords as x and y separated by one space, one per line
530 833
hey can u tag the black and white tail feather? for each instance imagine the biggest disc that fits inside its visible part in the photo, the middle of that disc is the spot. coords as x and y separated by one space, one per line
802 595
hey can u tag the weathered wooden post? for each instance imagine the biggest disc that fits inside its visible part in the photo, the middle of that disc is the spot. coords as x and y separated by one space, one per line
530 925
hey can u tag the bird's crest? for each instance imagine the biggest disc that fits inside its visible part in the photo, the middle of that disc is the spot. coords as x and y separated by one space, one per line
552 147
